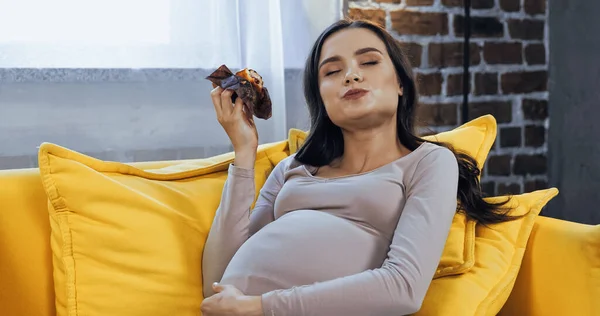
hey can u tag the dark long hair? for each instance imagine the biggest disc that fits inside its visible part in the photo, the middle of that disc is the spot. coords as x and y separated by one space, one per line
325 142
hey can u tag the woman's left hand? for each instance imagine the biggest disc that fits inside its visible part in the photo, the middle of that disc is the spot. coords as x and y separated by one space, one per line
229 301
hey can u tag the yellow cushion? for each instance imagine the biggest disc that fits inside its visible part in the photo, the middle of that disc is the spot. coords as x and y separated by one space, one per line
499 250
560 273
127 241
475 138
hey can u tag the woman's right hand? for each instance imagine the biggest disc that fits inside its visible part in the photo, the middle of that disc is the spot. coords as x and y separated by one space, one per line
241 131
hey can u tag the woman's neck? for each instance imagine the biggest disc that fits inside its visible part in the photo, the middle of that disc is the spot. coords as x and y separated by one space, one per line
365 150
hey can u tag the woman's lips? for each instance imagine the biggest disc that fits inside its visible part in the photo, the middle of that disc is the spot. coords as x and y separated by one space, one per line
354 94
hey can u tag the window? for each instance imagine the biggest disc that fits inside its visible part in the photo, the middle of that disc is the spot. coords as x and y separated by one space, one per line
105 22
134 105
116 33
158 33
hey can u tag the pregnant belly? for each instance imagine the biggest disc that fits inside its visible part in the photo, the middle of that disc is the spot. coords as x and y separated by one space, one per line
303 247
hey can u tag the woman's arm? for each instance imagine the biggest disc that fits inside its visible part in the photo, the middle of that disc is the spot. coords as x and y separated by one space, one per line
234 223
400 285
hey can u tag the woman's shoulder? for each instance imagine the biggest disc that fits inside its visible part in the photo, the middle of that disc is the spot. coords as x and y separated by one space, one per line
435 150
436 156
426 152
289 167
288 163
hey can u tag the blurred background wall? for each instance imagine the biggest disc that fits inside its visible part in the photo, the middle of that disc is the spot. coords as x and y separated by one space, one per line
574 136
118 114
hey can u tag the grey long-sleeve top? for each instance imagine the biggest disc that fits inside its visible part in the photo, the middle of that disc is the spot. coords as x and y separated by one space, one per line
365 244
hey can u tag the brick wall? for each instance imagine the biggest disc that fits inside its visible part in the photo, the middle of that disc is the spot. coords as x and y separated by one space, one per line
508 75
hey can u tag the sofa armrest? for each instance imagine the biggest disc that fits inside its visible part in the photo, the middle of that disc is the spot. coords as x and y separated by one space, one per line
560 273
26 285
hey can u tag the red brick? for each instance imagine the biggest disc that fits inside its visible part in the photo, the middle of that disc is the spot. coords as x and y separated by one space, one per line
524 81
535 109
475 4
503 53
419 2
530 164
419 23
499 165
413 51
526 29
510 137
500 110
486 83
443 114
451 54
509 188
533 7
510 5
453 3
454 84
535 136
488 188
535 54
534 185
482 4
429 84
373 15
480 26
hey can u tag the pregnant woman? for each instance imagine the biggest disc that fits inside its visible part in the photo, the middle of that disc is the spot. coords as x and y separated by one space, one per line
356 221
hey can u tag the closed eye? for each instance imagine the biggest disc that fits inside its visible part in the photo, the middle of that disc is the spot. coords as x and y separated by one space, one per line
370 63
331 72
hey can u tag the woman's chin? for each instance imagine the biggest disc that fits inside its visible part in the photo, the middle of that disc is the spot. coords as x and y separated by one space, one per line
363 116
359 107
356 119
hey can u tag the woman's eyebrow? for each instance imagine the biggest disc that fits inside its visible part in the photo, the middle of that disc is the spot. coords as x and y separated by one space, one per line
357 52
366 50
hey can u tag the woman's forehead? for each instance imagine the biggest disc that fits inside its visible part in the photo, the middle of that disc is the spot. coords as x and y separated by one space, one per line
347 41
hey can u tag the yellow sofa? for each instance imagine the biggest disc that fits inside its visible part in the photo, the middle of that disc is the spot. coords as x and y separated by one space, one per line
559 275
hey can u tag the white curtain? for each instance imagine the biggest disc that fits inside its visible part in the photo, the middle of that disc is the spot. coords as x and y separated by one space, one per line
267 35
270 36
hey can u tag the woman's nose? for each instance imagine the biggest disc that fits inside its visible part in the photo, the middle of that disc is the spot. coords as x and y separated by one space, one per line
353 77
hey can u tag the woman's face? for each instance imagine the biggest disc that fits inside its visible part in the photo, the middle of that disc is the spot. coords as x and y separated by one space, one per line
357 80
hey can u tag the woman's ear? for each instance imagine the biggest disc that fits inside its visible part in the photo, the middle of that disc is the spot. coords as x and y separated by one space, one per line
400 91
